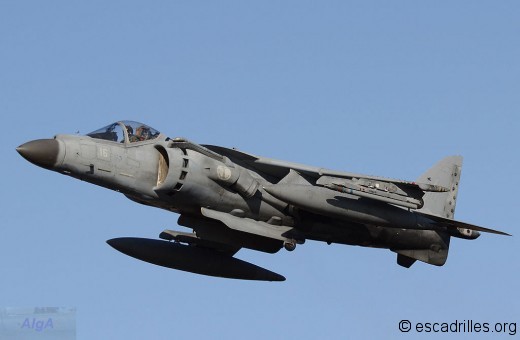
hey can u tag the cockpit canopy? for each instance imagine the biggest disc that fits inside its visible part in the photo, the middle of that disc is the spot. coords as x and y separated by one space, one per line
125 131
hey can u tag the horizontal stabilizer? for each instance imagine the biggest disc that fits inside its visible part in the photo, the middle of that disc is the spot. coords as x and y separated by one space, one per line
446 222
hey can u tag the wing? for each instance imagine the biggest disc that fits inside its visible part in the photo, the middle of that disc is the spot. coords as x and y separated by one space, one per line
279 169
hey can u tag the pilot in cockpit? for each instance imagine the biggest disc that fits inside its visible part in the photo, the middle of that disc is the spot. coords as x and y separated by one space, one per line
135 132
143 133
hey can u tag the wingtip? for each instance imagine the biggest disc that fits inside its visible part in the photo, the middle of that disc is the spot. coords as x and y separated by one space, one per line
493 231
278 278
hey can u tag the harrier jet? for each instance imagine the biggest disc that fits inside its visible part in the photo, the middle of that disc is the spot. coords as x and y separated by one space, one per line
232 200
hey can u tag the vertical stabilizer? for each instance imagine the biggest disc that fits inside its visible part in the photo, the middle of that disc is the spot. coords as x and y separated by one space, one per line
445 173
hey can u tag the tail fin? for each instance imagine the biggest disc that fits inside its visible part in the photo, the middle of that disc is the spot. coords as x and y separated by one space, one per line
445 173
440 208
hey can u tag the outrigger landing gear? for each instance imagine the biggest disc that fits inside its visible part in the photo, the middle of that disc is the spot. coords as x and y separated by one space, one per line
290 246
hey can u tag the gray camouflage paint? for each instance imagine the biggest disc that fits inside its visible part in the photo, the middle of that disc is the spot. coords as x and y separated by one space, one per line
235 200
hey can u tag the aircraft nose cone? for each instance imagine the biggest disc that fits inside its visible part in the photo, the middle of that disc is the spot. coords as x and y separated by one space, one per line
42 152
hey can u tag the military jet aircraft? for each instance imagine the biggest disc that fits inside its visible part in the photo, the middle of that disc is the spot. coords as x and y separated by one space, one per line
233 200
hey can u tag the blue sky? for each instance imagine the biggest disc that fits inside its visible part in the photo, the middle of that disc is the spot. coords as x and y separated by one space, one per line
377 87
